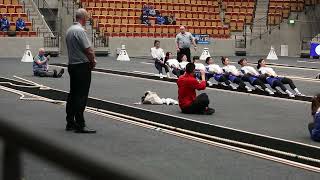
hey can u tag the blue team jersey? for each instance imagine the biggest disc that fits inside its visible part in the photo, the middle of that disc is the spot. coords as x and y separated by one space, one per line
315 132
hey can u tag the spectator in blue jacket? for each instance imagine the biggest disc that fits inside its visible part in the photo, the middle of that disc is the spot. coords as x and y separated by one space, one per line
5 24
160 19
21 25
314 127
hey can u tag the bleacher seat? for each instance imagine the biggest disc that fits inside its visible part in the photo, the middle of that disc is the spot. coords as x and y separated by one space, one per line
122 17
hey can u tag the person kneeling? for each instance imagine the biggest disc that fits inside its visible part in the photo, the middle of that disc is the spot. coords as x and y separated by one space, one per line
314 127
187 86
40 66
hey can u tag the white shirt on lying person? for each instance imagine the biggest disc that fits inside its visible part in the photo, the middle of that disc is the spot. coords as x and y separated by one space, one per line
157 53
231 69
267 70
214 68
249 70
199 67
183 64
173 63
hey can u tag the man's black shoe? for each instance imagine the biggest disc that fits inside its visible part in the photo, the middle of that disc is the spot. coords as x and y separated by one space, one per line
60 73
70 127
85 130
209 111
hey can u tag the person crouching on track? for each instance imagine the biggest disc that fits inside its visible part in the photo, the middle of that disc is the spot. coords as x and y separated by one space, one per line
274 80
252 76
187 86
173 64
215 71
40 66
314 127
233 74
157 54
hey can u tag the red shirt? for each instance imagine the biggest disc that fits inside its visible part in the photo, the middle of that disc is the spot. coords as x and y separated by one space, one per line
187 85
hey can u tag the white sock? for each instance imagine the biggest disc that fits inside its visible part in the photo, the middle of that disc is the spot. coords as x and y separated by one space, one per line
168 74
269 91
297 91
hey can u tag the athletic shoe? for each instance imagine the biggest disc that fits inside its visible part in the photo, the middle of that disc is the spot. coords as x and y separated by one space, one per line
209 83
161 76
60 73
291 95
248 89
233 87
300 94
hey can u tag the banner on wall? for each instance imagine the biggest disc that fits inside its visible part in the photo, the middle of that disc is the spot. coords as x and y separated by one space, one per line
202 38
314 49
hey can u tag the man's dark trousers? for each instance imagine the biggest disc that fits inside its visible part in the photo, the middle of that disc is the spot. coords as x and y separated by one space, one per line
80 80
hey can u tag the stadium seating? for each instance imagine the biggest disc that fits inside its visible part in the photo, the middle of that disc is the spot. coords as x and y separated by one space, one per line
122 17
13 10
237 13
280 9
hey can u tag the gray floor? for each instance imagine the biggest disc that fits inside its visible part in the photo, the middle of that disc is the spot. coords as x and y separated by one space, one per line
154 153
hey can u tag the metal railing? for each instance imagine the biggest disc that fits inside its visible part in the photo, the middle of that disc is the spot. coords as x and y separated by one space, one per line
43 5
51 39
17 139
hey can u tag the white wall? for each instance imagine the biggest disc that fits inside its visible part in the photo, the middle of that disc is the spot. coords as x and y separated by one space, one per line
15 46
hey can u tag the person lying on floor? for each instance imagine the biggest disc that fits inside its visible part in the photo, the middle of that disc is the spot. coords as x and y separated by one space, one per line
233 74
157 54
252 76
187 86
274 80
314 127
173 64
40 66
215 71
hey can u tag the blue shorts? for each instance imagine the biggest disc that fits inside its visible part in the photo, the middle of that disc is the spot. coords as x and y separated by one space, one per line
252 79
270 80
232 77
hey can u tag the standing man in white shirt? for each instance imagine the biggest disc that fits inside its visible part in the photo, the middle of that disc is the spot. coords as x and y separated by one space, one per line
158 56
184 40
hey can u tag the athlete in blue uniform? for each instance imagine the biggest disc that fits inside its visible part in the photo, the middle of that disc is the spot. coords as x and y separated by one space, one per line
274 80
252 76
233 74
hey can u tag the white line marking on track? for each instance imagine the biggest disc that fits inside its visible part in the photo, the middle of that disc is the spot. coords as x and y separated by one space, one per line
311 62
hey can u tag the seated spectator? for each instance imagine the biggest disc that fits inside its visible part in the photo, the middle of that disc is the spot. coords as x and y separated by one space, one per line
160 19
40 66
187 86
145 19
152 11
20 25
5 24
172 19
173 64
314 127
145 9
